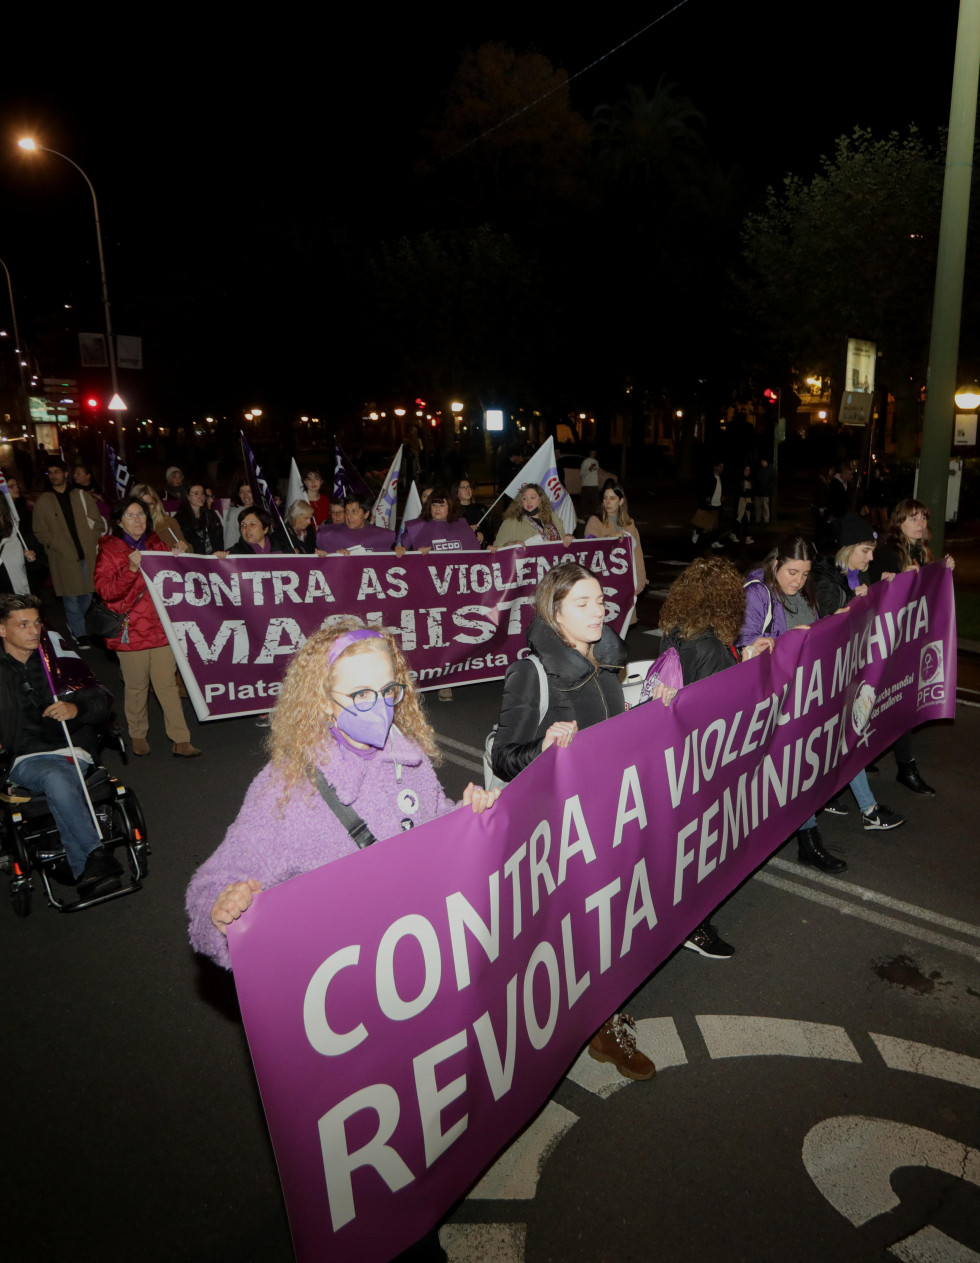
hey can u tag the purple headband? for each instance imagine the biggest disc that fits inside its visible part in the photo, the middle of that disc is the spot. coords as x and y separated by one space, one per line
344 642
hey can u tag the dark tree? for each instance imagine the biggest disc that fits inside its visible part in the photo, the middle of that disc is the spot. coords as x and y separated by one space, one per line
851 252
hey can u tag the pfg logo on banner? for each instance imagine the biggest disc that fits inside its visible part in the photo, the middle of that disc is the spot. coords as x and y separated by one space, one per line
932 674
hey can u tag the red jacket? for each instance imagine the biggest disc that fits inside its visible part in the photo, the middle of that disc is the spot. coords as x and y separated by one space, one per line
119 587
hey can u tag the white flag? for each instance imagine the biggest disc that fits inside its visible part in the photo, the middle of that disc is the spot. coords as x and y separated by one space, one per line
413 506
542 469
295 489
383 514
10 499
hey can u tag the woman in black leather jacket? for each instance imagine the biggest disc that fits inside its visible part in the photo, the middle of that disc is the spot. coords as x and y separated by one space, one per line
582 658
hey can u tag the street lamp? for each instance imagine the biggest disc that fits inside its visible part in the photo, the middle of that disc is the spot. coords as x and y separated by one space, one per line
31 146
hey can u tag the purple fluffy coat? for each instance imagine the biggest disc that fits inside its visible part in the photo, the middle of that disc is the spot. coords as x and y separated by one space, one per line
272 844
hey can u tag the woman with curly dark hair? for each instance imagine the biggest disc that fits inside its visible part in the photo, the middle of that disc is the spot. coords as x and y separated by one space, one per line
701 618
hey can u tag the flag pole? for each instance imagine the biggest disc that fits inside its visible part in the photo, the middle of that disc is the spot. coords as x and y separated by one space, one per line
74 759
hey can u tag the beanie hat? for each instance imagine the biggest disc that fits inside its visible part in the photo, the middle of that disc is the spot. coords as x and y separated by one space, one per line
855 529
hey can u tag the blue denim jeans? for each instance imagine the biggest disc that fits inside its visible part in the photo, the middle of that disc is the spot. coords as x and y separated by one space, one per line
56 778
861 791
76 608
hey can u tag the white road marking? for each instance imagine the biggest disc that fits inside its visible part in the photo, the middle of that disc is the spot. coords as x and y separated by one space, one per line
484 1243
469 764
874 896
851 1160
938 1063
772 1036
463 748
929 1245
655 1036
905 928
516 1172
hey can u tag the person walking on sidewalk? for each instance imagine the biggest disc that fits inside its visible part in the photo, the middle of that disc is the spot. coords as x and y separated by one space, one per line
68 523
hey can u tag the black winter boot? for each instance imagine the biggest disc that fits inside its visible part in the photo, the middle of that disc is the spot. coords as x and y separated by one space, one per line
811 852
908 775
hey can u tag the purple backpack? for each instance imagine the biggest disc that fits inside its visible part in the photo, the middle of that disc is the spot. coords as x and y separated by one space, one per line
666 670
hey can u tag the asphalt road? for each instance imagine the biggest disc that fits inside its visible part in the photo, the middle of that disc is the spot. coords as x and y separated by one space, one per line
818 1096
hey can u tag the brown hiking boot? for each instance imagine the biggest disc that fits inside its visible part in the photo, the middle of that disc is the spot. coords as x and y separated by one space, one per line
184 750
140 745
616 1043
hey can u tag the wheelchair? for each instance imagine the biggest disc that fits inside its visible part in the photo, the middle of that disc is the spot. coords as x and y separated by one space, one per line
30 842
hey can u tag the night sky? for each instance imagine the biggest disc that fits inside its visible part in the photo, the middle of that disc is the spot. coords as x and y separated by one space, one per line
220 155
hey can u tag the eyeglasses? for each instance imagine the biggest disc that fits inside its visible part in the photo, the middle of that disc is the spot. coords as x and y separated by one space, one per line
364 699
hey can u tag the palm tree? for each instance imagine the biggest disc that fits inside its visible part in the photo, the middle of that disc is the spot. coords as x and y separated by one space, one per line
651 140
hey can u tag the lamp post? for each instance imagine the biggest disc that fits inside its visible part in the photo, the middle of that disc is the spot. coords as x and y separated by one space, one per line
31 146
20 353
944 341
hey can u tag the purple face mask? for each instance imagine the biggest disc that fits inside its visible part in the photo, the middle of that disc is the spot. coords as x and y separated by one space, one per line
370 727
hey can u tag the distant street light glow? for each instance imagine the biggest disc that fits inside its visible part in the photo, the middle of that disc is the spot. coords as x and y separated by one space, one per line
25 142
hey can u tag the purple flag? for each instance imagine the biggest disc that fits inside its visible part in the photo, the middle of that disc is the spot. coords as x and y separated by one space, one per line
411 1006
261 494
346 480
460 617
120 479
66 669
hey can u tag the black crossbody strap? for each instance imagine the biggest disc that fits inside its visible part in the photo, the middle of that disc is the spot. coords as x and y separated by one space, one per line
347 816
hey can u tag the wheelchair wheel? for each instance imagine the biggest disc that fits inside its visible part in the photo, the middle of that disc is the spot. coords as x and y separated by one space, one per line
131 817
139 860
127 820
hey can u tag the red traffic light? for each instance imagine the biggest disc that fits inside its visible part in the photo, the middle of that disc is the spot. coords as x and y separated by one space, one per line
91 403
771 395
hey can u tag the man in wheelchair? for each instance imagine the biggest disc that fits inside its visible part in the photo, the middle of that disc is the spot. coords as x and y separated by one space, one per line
31 734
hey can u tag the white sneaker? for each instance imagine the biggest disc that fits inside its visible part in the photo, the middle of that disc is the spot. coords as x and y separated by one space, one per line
749 539
717 544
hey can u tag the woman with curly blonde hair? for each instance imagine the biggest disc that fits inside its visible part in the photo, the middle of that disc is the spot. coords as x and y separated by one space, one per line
528 516
336 749
701 619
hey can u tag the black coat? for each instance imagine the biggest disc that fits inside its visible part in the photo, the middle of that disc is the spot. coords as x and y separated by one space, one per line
20 708
701 656
576 690
830 585
202 531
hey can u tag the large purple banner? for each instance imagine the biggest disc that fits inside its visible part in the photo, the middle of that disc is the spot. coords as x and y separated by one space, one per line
410 1007
234 624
